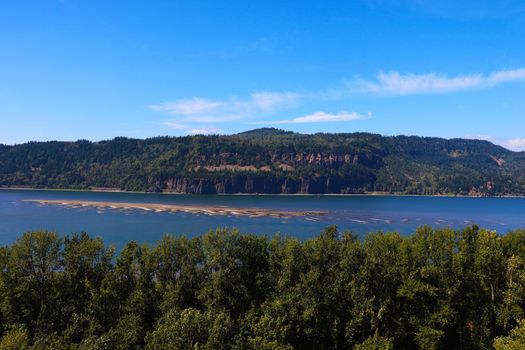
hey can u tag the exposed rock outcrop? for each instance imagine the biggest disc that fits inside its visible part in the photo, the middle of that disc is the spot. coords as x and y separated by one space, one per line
256 185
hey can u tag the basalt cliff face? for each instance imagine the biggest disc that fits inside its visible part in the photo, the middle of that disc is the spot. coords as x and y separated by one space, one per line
277 176
269 161
252 184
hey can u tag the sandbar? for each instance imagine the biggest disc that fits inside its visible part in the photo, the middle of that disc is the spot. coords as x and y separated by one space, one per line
201 209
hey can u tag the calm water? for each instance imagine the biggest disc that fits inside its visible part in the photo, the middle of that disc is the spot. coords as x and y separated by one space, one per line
359 214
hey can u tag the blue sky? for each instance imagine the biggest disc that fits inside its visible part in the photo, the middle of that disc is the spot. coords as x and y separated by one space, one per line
94 69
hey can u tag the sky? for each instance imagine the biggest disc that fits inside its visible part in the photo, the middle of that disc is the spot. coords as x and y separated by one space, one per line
72 69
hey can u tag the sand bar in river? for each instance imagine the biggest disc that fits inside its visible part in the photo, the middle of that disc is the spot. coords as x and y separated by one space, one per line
193 209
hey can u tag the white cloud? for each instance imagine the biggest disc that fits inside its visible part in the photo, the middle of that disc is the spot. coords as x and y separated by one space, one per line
204 131
213 119
191 106
174 125
395 83
190 130
321 117
517 144
270 100
479 137
203 110
197 111
200 110
504 76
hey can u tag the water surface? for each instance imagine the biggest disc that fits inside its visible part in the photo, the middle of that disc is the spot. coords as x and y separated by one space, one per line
360 214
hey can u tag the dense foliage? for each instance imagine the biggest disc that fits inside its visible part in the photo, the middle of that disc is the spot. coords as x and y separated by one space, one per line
436 289
269 161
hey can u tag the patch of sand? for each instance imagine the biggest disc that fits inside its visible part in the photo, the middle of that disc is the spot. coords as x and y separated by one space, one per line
209 210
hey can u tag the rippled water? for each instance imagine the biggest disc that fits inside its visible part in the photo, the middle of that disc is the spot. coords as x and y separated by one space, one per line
359 214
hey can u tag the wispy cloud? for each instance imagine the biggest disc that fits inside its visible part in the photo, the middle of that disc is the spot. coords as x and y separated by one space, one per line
213 118
188 107
270 100
258 101
321 117
174 125
262 107
395 83
517 144
200 110
204 131
479 137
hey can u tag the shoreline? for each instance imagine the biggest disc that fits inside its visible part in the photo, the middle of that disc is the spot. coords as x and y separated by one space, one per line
366 194
178 208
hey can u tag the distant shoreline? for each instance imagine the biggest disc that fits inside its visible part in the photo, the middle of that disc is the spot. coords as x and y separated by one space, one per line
365 194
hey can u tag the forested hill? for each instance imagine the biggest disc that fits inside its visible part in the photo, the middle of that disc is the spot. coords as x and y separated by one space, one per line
269 161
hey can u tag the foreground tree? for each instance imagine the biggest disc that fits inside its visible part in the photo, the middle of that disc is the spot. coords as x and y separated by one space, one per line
514 341
436 289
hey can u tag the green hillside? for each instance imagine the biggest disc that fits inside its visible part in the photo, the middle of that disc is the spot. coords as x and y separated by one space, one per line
270 161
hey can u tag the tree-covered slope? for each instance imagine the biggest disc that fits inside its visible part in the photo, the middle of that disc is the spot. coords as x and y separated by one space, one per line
270 161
